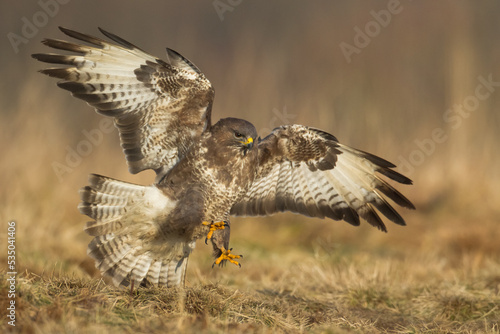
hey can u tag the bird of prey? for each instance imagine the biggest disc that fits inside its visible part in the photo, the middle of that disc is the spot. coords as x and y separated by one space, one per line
205 172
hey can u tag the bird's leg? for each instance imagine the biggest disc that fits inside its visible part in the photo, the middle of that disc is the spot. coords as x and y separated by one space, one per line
132 288
226 255
213 227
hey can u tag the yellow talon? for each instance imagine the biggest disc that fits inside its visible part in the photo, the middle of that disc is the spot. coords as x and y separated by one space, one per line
213 227
226 255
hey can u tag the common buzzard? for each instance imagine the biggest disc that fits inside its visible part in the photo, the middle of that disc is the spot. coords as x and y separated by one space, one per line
205 172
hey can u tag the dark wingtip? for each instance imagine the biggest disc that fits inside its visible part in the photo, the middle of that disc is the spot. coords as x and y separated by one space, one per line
106 33
324 134
60 73
69 32
37 56
392 174
64 30
382 228
119 40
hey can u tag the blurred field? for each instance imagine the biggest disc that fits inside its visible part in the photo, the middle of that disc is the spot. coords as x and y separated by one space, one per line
274 62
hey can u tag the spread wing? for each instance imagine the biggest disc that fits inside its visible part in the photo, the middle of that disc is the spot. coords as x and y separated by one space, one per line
307 171
159 107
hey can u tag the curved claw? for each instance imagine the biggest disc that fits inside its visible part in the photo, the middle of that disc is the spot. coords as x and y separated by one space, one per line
226 255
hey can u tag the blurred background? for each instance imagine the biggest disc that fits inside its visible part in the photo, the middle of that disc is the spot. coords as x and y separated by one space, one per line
415 82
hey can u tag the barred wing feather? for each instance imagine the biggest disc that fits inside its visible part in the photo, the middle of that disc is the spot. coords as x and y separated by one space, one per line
307 171
159 107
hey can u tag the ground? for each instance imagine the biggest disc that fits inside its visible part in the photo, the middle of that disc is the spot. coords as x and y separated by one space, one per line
298 275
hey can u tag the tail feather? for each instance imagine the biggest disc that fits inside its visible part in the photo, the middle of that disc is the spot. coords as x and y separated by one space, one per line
95 228
173 273
105 199
127 244
110 252
93 196
153 275
139 272
121 271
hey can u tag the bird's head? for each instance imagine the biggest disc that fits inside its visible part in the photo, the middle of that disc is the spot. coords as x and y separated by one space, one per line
236 134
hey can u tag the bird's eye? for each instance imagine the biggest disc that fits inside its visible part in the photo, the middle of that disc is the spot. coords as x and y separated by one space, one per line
238 135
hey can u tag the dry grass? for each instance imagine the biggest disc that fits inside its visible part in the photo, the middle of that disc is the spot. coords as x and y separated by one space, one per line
334 289
440 274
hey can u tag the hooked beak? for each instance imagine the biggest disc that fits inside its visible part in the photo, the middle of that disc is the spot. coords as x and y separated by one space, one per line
248 143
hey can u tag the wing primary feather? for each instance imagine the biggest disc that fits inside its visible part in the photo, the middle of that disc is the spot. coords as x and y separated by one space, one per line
119 40
60 73
369 214
350 216
395 195
53 58
84 37
64 45
176 59
388 211
393 175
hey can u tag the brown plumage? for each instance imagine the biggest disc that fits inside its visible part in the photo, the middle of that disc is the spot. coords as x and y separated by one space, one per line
205 173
